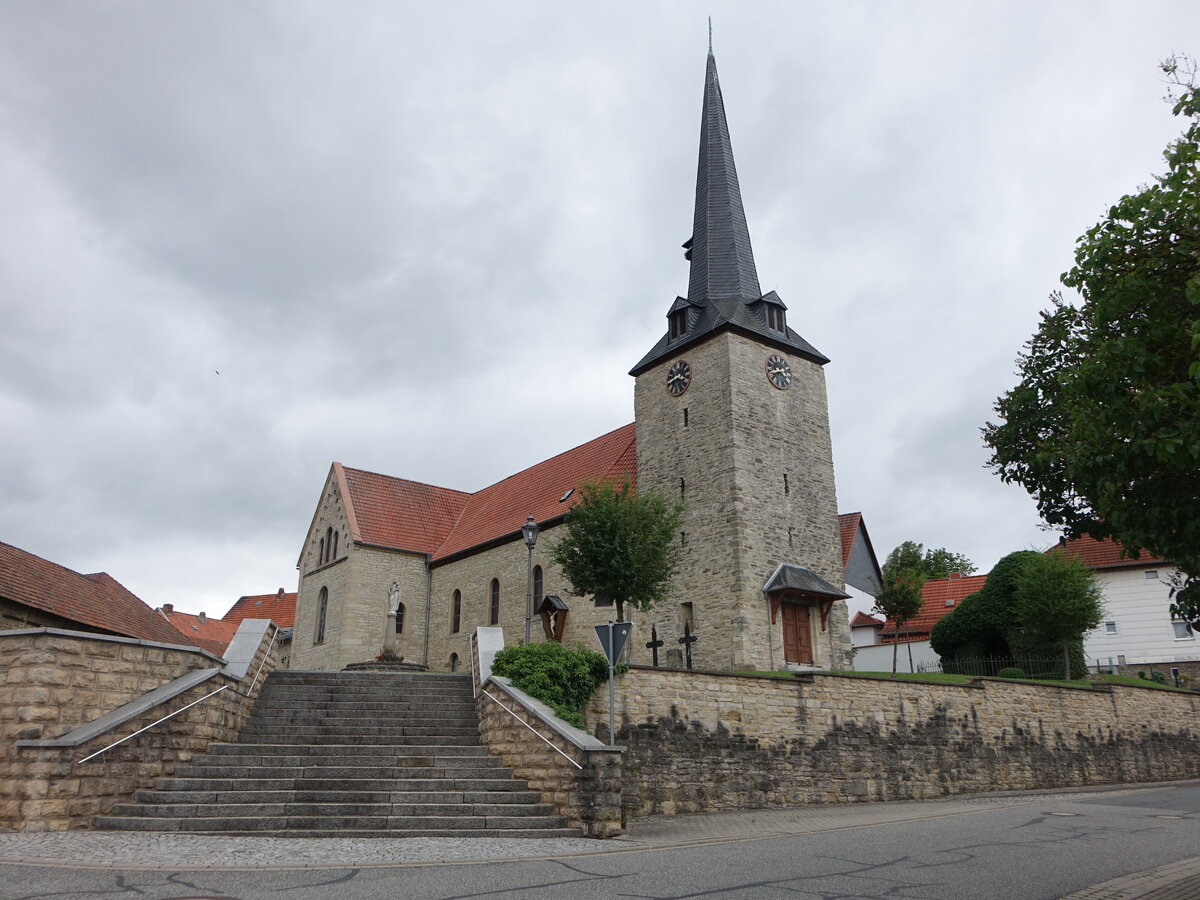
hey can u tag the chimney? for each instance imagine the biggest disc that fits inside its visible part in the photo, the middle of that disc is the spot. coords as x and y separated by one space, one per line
168 608
280 594
955 576
200 618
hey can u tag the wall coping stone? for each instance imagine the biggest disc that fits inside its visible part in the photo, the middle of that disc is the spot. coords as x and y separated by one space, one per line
565 730
804 677
239 655
114 638
130 710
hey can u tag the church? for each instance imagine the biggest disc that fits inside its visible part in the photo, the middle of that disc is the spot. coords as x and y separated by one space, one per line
730 416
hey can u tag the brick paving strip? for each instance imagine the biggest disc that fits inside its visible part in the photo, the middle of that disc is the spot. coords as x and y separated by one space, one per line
1174 881
129 850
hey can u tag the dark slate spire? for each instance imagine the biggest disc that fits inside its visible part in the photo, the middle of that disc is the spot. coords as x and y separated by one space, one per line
722 261
723 290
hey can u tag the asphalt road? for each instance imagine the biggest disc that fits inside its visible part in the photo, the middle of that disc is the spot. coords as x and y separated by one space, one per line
1048 849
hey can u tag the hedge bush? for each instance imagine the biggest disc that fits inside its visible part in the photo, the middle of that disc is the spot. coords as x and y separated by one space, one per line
1011 672
563 678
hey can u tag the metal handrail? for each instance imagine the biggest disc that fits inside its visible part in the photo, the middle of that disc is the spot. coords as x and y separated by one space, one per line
488 694
266 654
152 724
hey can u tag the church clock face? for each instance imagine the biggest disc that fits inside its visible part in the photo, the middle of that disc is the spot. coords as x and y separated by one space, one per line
779 373
679 376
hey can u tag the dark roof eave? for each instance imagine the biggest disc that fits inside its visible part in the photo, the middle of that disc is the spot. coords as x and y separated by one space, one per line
663 352
494 542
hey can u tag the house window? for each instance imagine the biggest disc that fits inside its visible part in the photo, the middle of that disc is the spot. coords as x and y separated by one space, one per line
1110 627
322 612
494 610
678 323
400 619
456 612
950 602
1183 631
1151 574
537 586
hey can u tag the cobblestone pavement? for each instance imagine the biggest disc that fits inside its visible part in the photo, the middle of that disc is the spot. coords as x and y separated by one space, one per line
129 850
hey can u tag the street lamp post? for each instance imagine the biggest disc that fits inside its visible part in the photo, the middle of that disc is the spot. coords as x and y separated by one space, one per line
529 531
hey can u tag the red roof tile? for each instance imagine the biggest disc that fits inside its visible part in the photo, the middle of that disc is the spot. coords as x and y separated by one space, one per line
1103 554
396 512
98 601
502 509
861 619
279 607
213 635
935 595
848 526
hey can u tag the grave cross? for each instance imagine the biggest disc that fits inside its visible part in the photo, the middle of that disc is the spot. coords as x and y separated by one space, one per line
687 640
653 644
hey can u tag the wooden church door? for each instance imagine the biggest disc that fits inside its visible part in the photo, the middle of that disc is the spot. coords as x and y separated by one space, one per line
797 634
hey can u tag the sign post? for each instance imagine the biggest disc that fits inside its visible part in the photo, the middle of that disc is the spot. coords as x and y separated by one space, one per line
612 641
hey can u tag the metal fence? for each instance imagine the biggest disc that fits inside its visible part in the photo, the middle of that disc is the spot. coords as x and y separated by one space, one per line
989 667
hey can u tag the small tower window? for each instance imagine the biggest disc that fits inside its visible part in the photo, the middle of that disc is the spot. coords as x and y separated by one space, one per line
494 607
775 318
678 323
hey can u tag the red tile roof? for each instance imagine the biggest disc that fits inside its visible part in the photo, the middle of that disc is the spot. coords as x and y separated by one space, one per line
213 635
279 607
848 526
98 601
396 512
407 515
1103 554
861 619
935 595
502 508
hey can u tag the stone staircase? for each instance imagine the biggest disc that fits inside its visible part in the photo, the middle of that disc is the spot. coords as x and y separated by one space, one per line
348 755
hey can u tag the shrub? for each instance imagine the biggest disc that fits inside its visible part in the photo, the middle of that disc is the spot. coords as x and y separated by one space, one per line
1157 677
563 678
1011 672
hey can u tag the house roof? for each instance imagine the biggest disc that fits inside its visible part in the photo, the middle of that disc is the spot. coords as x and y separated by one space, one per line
861 620
98 601
422 518
790 577
848 527
938 597
213 635
1104 554
279 607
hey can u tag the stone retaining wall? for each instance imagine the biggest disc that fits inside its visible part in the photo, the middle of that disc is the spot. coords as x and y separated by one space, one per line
698 741
55 681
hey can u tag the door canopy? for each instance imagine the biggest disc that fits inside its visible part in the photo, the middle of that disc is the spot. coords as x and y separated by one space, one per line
800 584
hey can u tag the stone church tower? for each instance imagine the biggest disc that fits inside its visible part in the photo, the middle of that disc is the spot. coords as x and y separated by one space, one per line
732 416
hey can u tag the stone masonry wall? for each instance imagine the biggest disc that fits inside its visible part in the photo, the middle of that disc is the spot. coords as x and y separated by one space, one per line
725 446
699 742
55 682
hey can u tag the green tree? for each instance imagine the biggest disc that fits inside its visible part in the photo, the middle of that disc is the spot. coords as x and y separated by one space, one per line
620 544
1057 600
913 557
1103 428
984 625
899 599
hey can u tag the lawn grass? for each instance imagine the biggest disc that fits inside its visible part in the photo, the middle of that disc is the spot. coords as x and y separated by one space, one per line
946 678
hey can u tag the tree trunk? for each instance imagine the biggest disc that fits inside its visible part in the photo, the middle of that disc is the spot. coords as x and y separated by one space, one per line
895 650
1066 660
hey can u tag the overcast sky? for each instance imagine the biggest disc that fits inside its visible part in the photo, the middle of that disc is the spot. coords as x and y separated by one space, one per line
239 240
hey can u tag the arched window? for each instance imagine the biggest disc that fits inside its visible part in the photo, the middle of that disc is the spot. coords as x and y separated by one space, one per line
537 586
333 553
400 619
453 662
494 609
321 553
456 612
322 613
328 543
